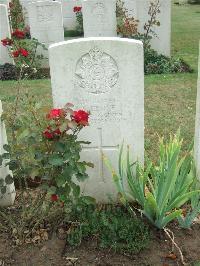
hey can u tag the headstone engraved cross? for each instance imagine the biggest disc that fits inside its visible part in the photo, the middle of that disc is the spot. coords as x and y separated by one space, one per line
101 149
106 77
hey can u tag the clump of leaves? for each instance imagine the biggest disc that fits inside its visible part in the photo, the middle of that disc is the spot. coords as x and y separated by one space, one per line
160 189
113 228
155 63
46 145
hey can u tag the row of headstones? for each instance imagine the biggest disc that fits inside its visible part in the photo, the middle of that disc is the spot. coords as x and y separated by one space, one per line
106 77
99 18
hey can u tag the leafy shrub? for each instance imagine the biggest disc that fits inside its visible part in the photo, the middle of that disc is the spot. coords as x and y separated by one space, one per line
162 189
155 63
72 33
113 228
192 209
11 72
197 2
16 15
47 147
8 72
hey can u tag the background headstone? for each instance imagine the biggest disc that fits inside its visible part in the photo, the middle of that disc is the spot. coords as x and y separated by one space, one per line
99 18
69 17
46 22
106 77
197 126
139 10
4 2
4 33
8 198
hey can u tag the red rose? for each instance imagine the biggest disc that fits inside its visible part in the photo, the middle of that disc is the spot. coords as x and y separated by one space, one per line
18 34
81 117
6 42
15 53
54 197
57 132
55 113
23 52
47 134
77 9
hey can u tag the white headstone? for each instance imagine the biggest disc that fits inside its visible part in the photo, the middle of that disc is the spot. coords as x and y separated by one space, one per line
4 33
8 198
106 77
99 18
197 126
46 22
139 10
4 2
69 16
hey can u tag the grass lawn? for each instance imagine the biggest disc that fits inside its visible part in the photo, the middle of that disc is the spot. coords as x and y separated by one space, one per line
169 99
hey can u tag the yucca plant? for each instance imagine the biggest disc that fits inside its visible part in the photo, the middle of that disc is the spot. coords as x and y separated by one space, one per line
159 189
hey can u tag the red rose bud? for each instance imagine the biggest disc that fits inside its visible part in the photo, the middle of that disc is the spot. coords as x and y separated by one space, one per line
81 117
6 42
55 114
57 132
54 197
24 52
18 34
77 9
15 53
48 135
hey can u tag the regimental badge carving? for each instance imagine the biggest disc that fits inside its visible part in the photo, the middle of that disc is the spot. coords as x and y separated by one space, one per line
46 16
96 72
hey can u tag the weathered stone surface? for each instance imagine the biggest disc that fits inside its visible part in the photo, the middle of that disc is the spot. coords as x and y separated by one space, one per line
99 18
46 22
4 33
8 198
139 10
106 77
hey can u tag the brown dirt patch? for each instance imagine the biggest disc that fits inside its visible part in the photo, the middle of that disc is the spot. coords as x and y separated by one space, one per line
50 252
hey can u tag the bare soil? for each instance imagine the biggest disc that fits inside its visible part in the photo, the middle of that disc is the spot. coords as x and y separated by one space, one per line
54 252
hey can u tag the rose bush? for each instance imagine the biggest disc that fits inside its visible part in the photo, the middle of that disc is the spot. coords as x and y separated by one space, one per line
79 19
47 146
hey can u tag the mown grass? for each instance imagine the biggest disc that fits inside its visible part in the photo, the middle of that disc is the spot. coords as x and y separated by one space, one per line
169 99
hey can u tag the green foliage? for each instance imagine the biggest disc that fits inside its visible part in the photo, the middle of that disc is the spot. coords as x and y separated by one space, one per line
113 228
46 148
155 63
73 33
16 15
160 189
193 209
193 2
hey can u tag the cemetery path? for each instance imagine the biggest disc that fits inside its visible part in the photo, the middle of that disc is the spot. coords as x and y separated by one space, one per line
49 252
